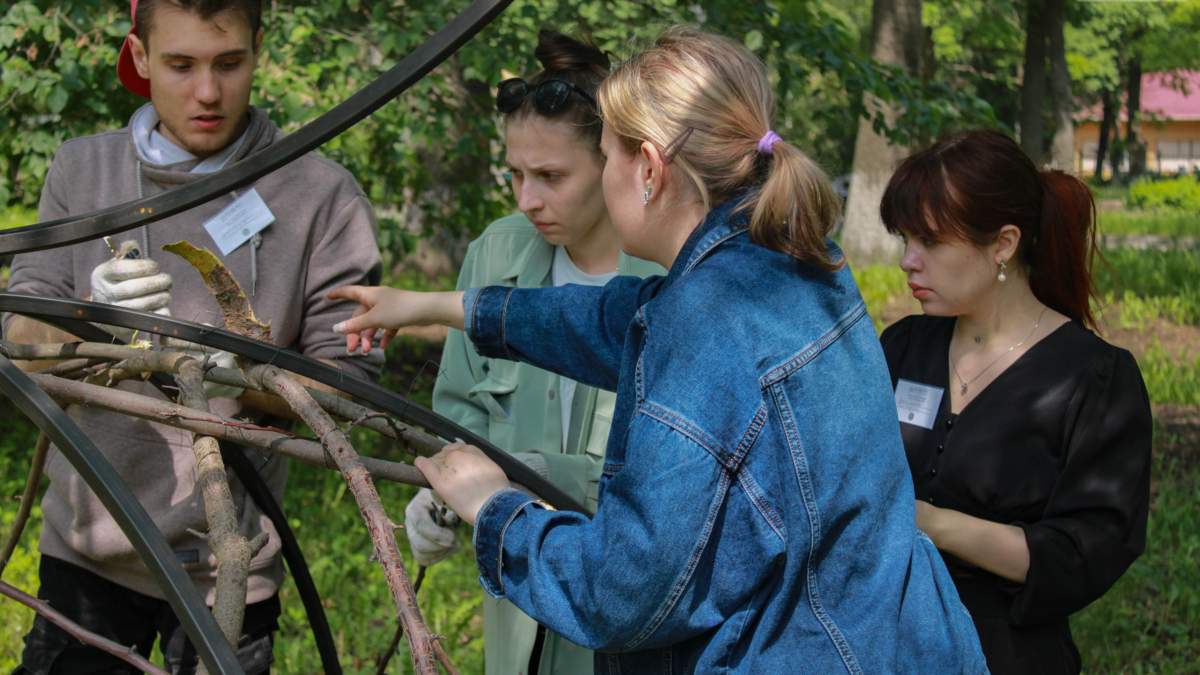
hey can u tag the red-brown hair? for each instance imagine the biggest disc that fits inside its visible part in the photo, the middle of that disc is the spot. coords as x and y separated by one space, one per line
970 185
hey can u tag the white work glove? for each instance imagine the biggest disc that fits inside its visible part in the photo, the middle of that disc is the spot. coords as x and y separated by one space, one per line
222 359
134 284
431 543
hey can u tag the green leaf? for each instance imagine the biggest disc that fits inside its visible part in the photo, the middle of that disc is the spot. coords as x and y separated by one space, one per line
754 40
57 100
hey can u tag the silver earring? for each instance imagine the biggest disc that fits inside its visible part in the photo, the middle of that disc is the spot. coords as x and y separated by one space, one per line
1002 276
646 197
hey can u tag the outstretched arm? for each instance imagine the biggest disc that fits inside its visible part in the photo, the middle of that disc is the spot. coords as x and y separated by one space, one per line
577 331
627 579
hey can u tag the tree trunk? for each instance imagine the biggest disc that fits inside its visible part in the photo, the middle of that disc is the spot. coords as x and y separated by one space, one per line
1107 124
1134 143
896 38
1033 87
1063 147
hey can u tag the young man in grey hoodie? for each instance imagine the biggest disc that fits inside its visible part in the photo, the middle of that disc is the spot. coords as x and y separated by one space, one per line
293 236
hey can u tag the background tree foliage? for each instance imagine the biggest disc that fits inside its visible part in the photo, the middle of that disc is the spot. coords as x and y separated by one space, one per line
430 160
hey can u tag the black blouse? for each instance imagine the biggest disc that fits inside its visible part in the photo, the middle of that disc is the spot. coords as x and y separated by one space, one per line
1058 445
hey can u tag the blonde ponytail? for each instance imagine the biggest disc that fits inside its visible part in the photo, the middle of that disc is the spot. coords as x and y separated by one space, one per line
689 78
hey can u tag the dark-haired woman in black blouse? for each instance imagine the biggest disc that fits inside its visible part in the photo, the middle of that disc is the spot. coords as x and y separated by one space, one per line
1028 436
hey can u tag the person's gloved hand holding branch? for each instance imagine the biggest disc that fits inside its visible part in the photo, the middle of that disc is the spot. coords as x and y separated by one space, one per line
131 282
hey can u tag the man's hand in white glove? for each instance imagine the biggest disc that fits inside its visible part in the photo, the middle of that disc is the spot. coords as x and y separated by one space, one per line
221 359
431 543
134 284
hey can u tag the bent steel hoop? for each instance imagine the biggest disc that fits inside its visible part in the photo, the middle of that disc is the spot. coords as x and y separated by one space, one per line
58 309
165 567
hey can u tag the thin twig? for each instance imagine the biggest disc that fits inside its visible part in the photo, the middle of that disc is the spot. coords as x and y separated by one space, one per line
27 499
126 654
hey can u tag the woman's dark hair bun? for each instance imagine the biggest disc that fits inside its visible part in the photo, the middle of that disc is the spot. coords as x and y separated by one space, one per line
557 51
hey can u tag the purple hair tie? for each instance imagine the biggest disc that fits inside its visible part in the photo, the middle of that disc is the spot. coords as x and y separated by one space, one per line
764 144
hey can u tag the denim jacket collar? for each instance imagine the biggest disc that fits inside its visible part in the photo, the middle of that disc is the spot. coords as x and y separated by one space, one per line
720 224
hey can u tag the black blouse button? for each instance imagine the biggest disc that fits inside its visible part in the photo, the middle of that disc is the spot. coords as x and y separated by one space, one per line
930 500
949 424
933 472
941 449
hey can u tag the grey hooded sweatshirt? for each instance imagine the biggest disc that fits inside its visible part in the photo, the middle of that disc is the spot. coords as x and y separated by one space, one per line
323 237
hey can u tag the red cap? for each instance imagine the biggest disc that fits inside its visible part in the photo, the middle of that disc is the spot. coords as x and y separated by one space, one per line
126 71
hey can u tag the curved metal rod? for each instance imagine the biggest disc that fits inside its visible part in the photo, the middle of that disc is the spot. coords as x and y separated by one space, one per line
257 488
147 540
367 100
37 306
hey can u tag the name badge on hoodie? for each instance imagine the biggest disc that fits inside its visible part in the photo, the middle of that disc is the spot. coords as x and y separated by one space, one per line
235 224
917 403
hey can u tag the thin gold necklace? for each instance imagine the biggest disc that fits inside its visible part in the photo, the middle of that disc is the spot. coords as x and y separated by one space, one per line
955 368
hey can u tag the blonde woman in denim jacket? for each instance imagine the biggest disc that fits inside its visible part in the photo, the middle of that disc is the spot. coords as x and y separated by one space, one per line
563 235
756 513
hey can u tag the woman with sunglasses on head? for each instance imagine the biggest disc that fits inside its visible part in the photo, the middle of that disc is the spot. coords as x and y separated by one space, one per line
563 235
1028 437
755 514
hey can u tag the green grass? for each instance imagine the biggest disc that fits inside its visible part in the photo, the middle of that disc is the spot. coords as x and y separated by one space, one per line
879 283
1170 378
16 217
1149 622
1142 222
1149 273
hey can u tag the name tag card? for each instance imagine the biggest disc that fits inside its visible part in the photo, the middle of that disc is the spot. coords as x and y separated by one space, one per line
236 223
917 403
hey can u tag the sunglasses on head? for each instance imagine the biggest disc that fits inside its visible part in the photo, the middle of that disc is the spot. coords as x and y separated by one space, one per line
548 96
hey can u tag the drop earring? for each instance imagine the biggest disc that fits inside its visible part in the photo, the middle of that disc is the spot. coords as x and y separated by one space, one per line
1002 276
646 197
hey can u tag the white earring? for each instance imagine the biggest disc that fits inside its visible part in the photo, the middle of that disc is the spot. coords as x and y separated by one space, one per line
1002 276
646 197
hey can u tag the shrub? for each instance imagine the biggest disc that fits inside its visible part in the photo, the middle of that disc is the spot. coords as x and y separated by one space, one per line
1174 194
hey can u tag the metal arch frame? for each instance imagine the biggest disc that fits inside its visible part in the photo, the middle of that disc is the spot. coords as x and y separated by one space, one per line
118 499
260 493
194 615
58 309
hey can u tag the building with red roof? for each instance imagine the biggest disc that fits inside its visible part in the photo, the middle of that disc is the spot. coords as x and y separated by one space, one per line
1170 125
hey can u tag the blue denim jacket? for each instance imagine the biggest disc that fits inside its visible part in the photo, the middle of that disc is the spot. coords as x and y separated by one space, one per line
756 511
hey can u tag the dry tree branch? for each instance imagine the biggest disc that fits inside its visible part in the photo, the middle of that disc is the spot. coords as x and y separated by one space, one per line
423 646
127 654
131 362
239 318
232 551
27 499
275 441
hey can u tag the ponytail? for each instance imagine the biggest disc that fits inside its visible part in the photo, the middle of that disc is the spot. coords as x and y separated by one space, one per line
714 86
795 208
1060 264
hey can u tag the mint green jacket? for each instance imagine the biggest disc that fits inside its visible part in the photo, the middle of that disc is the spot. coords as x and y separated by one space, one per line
516 407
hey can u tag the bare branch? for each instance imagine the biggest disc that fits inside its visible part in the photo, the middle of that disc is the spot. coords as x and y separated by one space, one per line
423 647
232 551
27 499
126 654
132 362
173 415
